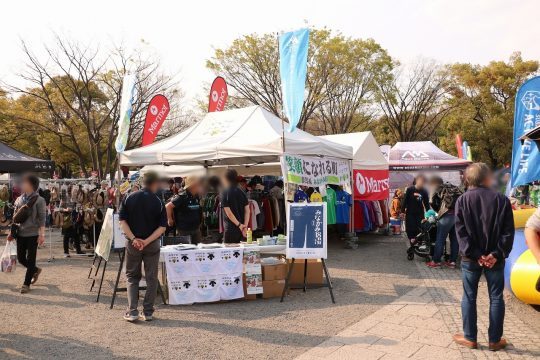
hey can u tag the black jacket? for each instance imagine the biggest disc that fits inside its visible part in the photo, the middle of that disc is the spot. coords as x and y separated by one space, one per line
484 224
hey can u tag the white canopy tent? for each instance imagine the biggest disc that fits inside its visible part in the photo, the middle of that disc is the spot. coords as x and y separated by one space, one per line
366 153
171 171
245 136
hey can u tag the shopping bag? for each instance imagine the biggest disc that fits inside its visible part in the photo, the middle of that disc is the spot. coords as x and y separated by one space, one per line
8 261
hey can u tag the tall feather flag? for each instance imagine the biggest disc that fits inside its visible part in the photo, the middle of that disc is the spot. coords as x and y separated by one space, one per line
526 156
293 51
126 100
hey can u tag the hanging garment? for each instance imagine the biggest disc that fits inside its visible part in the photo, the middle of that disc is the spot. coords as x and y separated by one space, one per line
378 213
358 216
254 210
384 209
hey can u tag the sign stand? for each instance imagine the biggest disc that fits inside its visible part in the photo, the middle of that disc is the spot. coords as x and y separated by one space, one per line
305 286
116 288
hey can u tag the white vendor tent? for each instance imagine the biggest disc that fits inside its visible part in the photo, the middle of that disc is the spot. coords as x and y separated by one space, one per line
366 152
171 171
250 135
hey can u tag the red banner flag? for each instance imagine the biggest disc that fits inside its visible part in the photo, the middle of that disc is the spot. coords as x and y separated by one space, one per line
157 111
371 184
218 95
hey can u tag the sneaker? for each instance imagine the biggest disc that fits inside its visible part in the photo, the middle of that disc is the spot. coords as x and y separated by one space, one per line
450 264
433 264
25 289
501 344
36 276
130 317
66 255
147 317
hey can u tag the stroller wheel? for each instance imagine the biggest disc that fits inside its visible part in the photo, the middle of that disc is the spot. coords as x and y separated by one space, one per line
410 256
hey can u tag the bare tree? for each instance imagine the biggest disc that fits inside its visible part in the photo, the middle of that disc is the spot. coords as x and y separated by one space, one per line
414 102
79 88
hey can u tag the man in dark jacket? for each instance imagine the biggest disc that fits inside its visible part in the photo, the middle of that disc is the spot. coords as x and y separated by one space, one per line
143 220
485 232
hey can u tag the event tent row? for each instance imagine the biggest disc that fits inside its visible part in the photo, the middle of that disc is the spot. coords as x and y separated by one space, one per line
247 136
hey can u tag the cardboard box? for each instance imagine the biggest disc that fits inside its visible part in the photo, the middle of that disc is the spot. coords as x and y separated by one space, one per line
274 272
314 274
273 288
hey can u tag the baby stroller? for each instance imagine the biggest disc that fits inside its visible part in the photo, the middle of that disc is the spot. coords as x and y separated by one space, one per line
423 243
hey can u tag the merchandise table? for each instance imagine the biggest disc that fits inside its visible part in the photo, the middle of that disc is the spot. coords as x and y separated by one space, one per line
207 274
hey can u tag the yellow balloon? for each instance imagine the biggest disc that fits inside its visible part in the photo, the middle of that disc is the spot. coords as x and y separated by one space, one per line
523 278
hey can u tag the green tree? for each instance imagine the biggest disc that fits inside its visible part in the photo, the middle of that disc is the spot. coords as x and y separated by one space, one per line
483 100
340 83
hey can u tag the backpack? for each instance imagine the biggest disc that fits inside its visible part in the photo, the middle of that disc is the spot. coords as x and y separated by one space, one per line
448 195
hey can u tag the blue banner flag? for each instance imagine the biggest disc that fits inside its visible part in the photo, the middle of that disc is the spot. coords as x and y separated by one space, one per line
525 156
293 51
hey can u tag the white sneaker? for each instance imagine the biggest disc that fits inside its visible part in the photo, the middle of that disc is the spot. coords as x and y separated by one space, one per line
131 318
66 255
146 317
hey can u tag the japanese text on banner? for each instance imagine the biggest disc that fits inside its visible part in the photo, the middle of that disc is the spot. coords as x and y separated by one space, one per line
314 171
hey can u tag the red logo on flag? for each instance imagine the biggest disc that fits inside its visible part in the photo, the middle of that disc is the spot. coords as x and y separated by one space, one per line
218 95
157 111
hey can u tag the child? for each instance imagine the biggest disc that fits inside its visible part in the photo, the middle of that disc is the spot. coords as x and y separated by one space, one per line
395 212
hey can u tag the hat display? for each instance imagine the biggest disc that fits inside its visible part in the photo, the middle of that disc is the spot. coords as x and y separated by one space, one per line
190 181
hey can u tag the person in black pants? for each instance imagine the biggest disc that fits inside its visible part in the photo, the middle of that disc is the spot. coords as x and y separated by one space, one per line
415 204
69 231
29 228
236 209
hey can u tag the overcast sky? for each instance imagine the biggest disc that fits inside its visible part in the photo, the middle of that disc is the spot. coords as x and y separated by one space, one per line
184 33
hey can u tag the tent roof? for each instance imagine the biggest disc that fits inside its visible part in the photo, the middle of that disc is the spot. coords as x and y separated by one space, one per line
171 171
13 161
242 136
366 151
423 155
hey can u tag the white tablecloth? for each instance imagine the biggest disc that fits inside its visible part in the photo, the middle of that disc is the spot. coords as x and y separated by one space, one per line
207 275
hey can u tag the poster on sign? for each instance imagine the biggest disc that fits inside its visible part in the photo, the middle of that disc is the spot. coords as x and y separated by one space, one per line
307 237
218 95
157 112
371 184
314 171
104 244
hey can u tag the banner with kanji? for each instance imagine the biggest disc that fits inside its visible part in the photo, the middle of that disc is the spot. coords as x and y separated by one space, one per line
314 171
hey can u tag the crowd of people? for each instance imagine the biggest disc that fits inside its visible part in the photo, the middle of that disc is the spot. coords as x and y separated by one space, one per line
477 220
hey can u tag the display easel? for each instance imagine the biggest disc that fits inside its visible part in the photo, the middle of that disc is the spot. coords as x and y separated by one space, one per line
305 286
116 289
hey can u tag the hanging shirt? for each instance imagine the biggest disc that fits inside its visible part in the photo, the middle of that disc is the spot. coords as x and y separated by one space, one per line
254 211
315 197
300 196
330 200
343 204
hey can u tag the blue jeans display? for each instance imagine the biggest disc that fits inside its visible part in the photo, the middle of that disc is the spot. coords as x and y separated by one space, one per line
471 272
446 227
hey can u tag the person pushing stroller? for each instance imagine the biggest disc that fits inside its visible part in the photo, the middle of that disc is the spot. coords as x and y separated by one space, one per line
443 201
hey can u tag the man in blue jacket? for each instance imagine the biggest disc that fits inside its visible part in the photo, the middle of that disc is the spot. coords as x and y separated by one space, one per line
485 233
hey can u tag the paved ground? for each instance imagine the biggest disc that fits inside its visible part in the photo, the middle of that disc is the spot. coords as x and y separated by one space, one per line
419 325
59 319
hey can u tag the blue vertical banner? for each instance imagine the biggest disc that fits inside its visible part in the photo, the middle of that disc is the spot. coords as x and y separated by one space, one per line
293 51
525 157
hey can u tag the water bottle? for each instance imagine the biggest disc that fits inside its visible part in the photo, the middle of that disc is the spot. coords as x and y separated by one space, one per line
249 236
